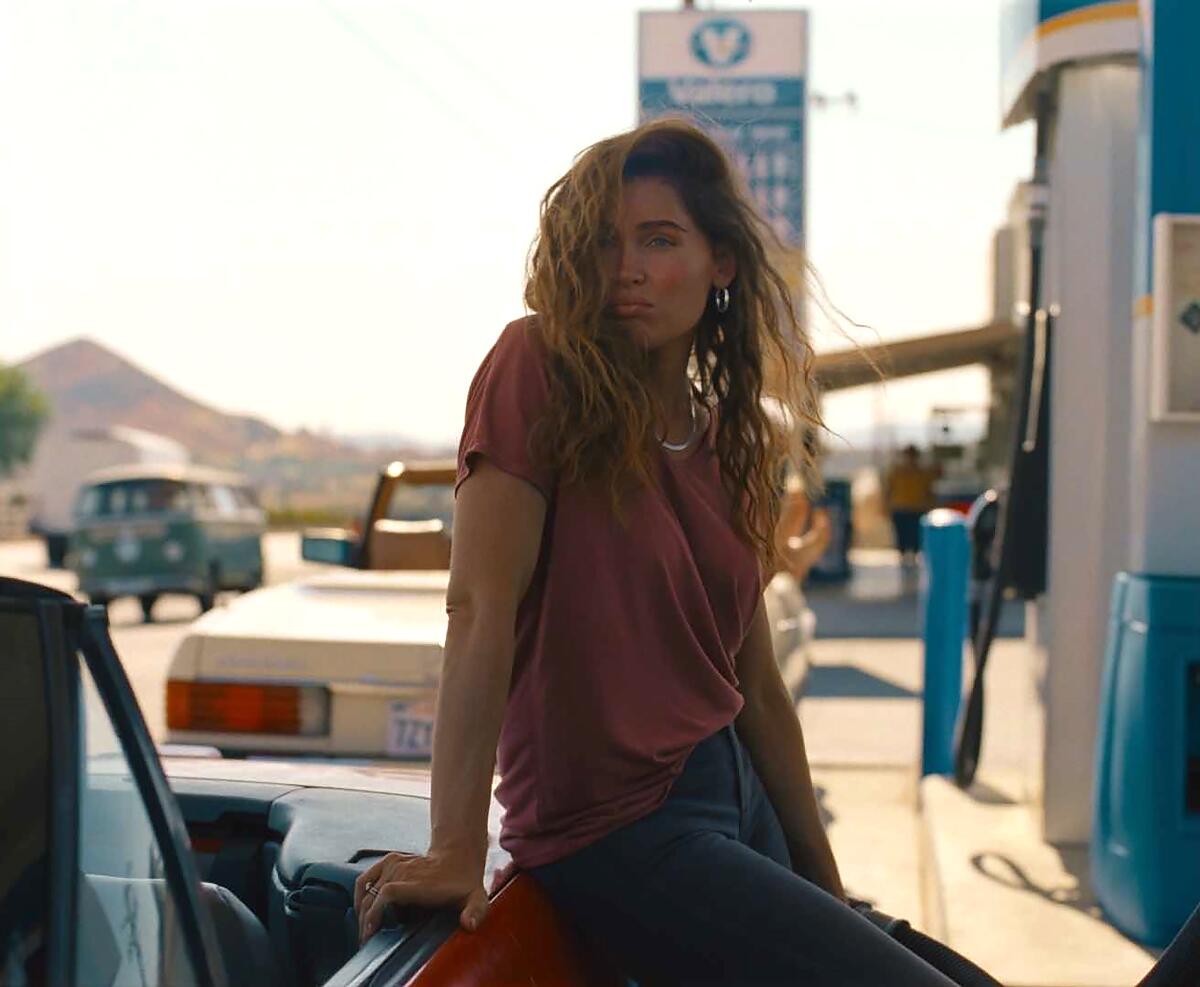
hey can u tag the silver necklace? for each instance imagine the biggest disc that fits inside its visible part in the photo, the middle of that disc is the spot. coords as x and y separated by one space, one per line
681 446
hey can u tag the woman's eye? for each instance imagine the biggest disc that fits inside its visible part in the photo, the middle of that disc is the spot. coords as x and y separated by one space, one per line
660 241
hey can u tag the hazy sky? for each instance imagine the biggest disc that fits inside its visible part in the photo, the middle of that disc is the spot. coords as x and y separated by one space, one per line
318 212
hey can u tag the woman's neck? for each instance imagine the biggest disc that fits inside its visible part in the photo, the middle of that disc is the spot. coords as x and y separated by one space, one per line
669 383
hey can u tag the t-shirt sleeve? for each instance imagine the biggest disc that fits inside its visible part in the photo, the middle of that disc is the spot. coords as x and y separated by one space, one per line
507 397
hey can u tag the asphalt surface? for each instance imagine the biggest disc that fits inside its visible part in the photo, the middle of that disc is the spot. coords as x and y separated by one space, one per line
146 649
882 600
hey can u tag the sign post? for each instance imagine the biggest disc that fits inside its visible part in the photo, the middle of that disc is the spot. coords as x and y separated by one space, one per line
742 78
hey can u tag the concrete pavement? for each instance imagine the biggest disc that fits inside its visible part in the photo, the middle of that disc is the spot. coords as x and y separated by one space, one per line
969 868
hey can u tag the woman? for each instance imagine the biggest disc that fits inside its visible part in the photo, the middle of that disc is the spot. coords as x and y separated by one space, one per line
616 509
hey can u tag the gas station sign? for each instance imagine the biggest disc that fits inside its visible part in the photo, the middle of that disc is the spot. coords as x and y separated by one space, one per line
742 77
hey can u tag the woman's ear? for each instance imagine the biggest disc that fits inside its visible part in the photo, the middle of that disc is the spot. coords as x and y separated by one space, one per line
726 267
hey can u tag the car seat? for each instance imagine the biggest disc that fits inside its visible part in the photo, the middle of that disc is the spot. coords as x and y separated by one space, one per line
408 545
109 929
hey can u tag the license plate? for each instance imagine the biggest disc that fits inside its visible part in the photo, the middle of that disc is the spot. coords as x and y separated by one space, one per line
409 732
127 548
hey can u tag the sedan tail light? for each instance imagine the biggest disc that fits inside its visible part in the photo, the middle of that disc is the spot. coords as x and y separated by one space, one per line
247 707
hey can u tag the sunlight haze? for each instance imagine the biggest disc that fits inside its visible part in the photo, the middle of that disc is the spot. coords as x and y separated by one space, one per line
318 213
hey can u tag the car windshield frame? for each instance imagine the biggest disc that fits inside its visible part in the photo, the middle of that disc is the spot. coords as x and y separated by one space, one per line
426 502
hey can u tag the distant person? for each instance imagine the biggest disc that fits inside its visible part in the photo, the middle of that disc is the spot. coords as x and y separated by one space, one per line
909 493
616 515
802 534
803 531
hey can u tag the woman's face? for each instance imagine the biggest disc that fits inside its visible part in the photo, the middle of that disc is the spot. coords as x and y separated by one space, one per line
661 265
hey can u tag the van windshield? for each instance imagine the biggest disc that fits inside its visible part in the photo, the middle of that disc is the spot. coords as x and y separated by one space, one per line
126 497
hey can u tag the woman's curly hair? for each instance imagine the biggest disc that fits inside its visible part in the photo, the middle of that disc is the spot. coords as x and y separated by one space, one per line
599 424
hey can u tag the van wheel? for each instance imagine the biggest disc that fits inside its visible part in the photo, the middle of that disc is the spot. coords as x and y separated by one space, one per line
147 600
208 598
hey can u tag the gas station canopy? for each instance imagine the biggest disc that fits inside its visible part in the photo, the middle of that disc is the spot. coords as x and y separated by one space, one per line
987 344
1036 35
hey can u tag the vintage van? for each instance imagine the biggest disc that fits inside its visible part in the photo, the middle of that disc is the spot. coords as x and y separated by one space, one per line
147 530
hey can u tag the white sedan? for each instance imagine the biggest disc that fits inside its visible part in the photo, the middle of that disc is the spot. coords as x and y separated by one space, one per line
346 663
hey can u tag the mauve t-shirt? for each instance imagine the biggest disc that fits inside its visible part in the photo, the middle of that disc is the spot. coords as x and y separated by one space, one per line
626 636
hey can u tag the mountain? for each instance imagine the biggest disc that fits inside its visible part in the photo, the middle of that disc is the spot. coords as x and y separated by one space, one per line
89 385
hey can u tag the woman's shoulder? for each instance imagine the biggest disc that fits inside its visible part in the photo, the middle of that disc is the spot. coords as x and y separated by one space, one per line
521 334
506 401
513 372
516 351
516 354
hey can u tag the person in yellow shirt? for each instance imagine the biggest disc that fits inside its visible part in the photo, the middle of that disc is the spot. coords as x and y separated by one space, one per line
909 492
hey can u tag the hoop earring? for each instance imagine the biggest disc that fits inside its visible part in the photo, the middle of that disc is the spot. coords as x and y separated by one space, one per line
721 299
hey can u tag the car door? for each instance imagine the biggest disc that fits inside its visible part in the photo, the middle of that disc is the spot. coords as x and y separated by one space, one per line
97 886
34 924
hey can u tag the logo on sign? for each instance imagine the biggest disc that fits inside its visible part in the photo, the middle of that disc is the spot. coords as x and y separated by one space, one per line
721 43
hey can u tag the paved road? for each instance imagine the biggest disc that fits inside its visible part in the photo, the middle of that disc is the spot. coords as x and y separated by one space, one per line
146 649
880 600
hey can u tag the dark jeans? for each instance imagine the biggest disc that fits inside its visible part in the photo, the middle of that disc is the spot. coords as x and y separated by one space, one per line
701 892
907 525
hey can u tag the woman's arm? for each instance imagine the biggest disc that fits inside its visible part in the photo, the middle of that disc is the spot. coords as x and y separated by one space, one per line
770 729
497 534
801 553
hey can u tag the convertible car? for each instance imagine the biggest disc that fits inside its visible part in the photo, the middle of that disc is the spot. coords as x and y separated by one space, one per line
123 868
120 867
346 662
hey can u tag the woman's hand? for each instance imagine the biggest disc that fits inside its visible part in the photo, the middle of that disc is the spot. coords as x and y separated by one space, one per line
801 553
435 880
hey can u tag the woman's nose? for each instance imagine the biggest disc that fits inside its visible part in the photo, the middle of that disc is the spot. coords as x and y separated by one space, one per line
629 267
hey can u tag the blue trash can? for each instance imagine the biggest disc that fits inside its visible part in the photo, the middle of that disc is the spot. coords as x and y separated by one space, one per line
834 563
1145 850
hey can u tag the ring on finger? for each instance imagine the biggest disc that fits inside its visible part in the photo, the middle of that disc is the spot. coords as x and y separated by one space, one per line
372 890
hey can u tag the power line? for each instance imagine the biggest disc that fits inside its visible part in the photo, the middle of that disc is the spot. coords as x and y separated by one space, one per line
490 142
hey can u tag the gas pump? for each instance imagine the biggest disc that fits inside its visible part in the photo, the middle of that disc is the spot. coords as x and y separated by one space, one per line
981 523
1016 556
1012 554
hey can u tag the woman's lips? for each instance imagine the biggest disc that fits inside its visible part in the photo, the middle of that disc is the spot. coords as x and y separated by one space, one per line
627 310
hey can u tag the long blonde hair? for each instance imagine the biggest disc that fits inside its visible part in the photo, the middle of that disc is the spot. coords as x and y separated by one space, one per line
599 425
